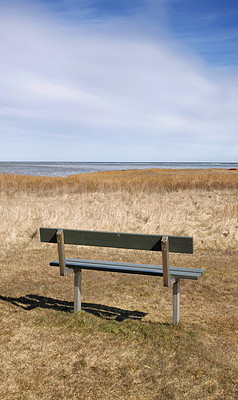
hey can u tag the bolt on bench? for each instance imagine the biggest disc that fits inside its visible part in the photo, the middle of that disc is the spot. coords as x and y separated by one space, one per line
165 244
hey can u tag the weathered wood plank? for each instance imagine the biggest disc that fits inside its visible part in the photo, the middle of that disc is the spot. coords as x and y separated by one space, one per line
61 253
177 244
176 272
151 266
165 261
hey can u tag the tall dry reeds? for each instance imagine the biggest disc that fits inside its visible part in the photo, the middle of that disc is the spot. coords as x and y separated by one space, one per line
200 203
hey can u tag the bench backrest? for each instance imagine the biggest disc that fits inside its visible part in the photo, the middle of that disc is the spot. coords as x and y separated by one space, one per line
166 244
177 244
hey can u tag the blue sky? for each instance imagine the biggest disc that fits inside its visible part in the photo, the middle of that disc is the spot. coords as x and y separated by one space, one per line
138 80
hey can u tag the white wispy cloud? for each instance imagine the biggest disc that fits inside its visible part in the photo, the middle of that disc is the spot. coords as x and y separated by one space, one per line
113 94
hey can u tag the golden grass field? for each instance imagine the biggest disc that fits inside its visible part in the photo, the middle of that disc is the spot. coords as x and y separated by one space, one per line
123 344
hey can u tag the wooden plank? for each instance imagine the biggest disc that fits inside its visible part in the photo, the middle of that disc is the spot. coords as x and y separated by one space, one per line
177 244
165 261
130 268
102 262
60 243
176 302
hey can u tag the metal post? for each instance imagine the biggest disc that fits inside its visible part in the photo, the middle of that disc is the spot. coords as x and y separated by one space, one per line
176 302
77 289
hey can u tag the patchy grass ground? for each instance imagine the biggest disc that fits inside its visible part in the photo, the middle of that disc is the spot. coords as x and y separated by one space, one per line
123 344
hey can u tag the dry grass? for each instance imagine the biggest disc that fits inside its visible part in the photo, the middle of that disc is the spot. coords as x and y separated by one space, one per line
122 346
199 203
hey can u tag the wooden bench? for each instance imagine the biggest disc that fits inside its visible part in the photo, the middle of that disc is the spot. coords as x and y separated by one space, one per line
165 244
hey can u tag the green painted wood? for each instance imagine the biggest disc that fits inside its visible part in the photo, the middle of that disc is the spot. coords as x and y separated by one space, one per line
141 269
177 244
116 263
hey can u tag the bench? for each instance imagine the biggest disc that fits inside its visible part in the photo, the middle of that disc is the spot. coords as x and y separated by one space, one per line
165 244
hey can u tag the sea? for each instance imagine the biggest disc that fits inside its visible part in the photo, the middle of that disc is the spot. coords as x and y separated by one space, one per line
65 169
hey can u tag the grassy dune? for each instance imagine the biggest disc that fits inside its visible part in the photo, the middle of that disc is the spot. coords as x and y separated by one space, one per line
122 345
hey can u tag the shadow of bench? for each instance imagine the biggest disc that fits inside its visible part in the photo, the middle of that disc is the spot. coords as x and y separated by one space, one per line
32 301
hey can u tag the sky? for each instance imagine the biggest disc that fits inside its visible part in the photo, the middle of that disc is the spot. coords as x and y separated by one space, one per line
119 80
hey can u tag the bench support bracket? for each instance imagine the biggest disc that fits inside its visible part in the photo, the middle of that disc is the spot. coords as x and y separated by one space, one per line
168 280
176 302
60 242
77 289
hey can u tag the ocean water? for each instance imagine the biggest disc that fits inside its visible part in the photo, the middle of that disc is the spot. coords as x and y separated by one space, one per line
71 168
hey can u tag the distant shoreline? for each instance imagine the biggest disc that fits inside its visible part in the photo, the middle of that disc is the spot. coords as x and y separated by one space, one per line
64 169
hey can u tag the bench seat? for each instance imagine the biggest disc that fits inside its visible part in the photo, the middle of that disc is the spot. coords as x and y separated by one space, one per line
141 269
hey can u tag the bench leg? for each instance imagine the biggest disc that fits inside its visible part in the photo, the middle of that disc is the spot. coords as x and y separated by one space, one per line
176 302
77 290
